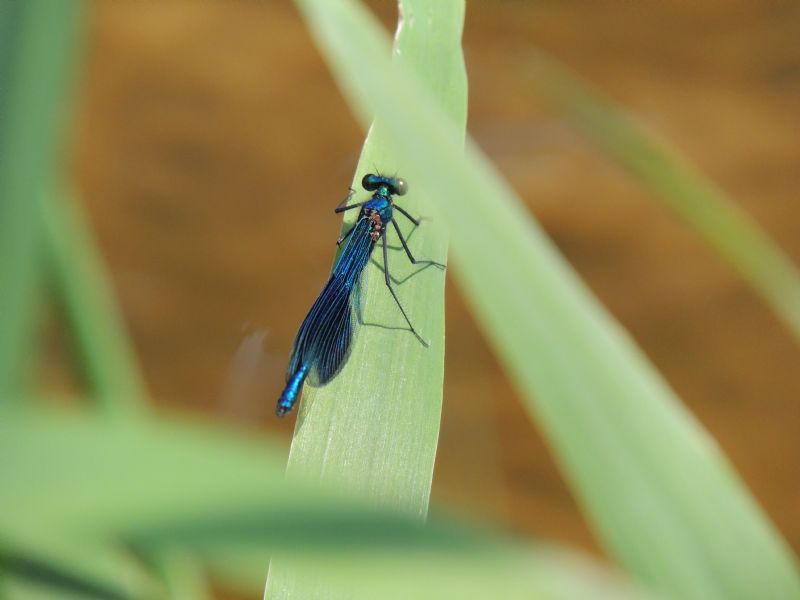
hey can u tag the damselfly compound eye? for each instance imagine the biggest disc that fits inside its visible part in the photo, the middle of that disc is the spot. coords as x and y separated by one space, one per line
400 187
370 182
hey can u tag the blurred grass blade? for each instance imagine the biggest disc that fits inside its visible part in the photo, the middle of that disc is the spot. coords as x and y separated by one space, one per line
36 72
36 564
423 574
733 234
185 486
430 576
341 546
81 283
136 470
57 580
656 488
148 469
181 574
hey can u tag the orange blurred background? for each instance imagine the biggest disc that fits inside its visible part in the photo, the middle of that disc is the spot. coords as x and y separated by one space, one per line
211 146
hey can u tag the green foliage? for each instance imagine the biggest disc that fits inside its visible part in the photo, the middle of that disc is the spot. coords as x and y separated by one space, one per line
731 232
171 483
37 50
657 490
374 429
77 271
93 506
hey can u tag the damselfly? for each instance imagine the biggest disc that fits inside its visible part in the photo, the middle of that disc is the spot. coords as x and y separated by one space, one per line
324 339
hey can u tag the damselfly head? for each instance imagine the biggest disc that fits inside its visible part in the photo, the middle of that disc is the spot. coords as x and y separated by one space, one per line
396 185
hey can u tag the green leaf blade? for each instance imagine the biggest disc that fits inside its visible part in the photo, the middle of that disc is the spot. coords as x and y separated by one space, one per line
374 428
83 286
659 493
35 75
172 487
681 188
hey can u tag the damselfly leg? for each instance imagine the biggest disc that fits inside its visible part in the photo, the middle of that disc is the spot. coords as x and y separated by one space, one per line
403 212
388 279
410 256
345 235
343 205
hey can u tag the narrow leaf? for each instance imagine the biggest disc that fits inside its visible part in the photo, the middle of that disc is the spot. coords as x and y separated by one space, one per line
81 284
35 69
680 186
35 563
656 488
375 427
75 488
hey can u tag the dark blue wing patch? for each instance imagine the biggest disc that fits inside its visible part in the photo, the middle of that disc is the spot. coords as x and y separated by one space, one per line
326 336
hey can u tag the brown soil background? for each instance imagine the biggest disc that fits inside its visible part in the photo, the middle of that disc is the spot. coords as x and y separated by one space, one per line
207 132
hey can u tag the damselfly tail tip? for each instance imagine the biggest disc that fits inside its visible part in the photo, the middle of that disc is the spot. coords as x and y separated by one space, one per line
292 391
